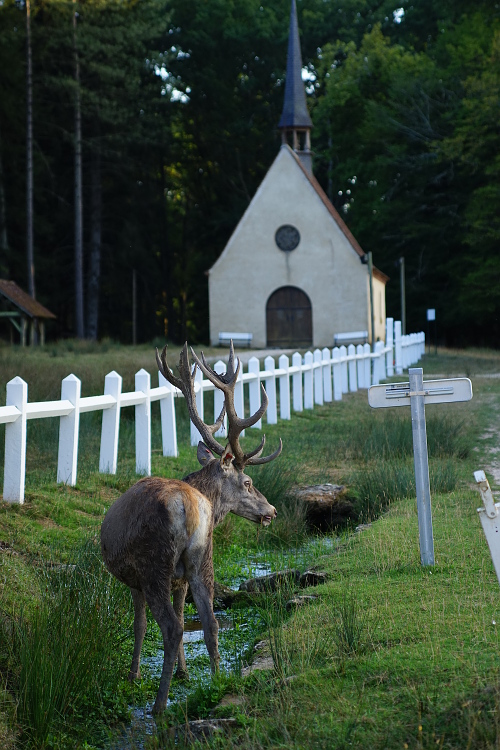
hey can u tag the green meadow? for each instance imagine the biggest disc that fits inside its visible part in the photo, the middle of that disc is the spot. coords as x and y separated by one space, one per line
389 655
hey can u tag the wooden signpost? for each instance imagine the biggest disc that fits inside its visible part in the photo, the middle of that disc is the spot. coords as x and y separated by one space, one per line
415 394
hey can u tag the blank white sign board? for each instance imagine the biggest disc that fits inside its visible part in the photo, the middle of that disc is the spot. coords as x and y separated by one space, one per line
434 392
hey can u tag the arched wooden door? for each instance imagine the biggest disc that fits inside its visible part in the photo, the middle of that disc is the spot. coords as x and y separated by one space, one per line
289 318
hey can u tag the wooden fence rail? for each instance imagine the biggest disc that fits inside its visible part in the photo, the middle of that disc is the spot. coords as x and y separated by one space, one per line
318 377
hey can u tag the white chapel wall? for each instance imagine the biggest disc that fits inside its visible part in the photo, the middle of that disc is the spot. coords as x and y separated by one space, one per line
252 267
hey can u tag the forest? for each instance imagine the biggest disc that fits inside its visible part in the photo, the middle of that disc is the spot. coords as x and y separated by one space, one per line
134 133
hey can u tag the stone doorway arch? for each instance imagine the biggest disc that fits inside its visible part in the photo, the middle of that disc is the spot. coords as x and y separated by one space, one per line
289 318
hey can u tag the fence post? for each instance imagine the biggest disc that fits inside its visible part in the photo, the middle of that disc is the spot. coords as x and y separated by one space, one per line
272 410
353 383
318 378
389 341
167 416
308 381
110 427
360 366
327 375
254 389
297 382
15 443
143 425
219 368
398 347
376 364
194 434
345 380
337 374
367 362
284 364
67 457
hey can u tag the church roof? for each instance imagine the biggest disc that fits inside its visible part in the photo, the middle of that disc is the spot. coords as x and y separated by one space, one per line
295 114
335 214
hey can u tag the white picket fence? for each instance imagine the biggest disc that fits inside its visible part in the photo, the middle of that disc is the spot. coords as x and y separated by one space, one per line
317 377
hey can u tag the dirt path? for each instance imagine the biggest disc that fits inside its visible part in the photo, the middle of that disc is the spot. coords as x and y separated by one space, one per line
491 438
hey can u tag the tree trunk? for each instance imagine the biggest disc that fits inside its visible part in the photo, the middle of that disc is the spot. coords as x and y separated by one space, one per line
166 260
95 244
29 155
79 320
134 307
4 238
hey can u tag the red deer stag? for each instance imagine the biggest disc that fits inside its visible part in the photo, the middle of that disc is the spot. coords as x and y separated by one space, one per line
157 537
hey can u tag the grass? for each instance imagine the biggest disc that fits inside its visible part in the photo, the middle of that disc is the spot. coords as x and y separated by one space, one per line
63 650
391 655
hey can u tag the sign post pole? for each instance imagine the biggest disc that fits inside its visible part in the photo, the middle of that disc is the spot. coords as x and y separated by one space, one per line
421 461
416 394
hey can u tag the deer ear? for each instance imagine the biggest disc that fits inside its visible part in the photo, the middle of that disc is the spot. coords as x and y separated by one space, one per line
204 454
227 457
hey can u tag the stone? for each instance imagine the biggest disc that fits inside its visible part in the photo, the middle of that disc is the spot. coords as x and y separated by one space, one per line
300 601
260 663
263 660
362 527
224 597
327 505
312 578
201 729
271 581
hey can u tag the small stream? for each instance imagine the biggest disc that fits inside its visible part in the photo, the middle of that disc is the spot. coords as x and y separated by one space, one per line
237 630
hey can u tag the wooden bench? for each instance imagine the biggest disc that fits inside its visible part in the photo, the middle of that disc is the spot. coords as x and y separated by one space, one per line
352 337
241 339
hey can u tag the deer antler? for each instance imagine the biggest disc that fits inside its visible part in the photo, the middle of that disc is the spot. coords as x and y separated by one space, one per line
186 385
226 383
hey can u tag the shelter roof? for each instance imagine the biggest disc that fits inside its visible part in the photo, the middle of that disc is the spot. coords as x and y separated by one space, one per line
33 309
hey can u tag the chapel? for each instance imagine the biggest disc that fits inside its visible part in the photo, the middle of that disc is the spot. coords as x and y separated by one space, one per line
292 274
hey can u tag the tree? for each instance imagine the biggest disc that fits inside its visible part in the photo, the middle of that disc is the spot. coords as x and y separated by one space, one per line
29 155
474 146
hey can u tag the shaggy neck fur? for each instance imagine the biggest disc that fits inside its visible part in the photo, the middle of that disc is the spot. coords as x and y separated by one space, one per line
209 480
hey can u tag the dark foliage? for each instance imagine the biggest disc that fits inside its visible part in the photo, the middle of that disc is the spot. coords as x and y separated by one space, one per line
180 101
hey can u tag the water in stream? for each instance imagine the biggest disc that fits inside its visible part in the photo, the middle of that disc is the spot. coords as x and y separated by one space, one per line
237 631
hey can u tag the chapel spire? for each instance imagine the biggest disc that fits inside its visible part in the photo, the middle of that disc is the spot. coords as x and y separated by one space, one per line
295 118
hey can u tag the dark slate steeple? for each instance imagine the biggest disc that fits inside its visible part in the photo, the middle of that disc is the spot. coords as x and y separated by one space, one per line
295 117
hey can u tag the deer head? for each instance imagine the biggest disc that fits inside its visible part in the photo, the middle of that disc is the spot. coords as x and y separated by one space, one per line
245 499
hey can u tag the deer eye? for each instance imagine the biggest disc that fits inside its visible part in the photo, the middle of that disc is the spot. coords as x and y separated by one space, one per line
247 483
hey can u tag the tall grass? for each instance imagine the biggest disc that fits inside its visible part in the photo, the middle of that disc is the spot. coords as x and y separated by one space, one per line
350 624
63 652
276 481
389 436
293 650
376 486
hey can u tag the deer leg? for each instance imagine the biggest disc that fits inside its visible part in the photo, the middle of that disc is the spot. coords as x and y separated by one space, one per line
164 614
179 598
203 600
139 631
